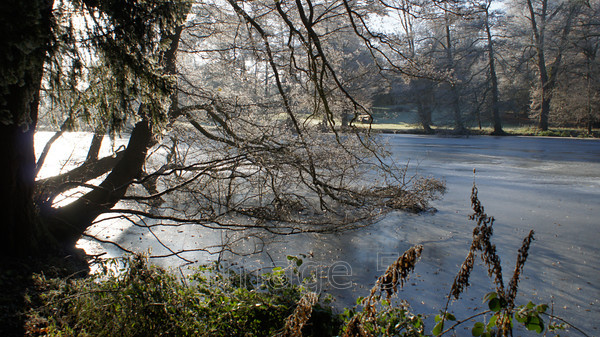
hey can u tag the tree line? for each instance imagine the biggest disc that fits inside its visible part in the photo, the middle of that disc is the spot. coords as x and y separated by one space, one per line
512 61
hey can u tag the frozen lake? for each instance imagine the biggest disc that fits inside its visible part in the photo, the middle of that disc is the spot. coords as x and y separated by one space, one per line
550 185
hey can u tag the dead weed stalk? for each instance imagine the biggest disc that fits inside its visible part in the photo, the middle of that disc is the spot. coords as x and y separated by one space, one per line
296 321
396 274
482 244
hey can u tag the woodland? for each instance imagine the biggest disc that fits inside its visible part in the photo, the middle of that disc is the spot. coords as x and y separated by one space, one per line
251 114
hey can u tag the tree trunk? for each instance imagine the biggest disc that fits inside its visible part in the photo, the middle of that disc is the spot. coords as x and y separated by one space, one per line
589 93
424 100
26 34
548 78
46 189
18 226
424 111
538 35
544 109
454 90
95 146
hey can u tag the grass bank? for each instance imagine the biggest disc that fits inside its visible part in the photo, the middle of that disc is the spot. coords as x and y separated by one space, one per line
406 128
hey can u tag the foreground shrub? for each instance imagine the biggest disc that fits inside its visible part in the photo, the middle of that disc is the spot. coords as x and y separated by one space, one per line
132 298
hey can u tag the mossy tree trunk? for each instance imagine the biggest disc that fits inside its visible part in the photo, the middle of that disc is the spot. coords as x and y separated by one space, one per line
26 31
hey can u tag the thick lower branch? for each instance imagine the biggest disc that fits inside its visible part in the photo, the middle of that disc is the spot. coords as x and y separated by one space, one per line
69 222
46 189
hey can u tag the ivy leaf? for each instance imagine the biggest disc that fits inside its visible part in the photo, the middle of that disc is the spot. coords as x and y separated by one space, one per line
534 323
521 315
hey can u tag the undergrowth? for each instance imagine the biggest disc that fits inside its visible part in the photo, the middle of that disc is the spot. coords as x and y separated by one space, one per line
129 297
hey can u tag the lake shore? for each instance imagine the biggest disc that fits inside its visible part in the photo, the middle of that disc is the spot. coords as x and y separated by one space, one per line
527 131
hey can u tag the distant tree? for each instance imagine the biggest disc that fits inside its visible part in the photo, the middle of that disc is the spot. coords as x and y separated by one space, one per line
479 56
549 20
493 77
424 93
425 43
448 19
577 98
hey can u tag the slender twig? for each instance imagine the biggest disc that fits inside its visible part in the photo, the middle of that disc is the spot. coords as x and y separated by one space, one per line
564 321
459 322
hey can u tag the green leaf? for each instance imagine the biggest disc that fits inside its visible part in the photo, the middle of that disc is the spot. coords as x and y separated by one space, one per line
492 322
535 327
495 304
450 317
437 318
534 323
478 329
541 308
521 316
489 296
437 329
298 261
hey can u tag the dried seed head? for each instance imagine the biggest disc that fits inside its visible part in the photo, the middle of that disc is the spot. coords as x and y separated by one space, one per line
398 272
461 281
521 259
301 315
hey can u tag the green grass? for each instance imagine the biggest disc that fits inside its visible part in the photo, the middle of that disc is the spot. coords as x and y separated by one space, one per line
509 130
552 132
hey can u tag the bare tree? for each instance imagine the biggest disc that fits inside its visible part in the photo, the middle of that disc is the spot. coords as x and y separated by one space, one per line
576 97
495 91
542 15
